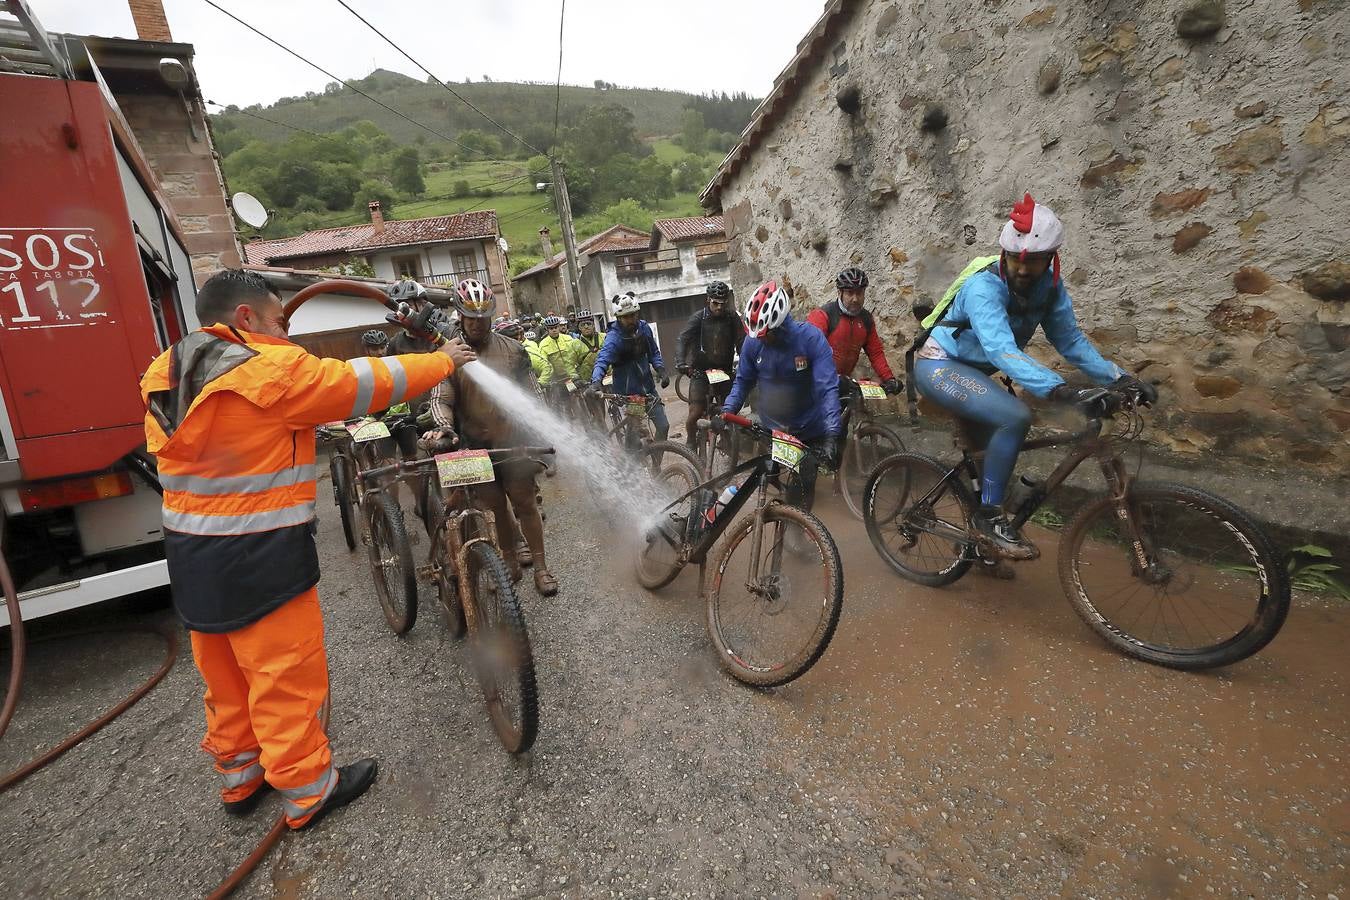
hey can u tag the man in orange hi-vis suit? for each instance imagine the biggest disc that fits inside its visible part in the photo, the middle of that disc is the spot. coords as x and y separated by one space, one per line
231 416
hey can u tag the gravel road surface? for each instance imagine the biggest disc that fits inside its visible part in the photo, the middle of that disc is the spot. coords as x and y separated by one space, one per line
974 741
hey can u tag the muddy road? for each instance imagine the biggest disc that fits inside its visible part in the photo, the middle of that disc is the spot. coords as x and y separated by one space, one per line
972 741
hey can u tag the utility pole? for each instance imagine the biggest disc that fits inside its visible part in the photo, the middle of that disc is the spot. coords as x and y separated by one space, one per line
564 206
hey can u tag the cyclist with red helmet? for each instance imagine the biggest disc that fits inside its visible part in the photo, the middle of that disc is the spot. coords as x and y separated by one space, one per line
793 366
851 329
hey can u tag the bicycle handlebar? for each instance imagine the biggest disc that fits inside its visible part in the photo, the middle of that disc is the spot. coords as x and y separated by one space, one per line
429 462
627 398
742 422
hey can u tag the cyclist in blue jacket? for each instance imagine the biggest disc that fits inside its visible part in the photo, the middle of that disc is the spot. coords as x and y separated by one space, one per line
630 347
793 366
999 309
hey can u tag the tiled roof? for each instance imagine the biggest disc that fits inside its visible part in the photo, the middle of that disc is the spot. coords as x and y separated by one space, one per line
689 229
615 237
810 50
353 238
462 227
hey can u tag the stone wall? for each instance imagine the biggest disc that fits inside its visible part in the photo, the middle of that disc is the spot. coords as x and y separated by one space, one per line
1203 176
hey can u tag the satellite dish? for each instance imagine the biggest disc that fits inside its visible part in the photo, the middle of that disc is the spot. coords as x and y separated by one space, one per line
249 210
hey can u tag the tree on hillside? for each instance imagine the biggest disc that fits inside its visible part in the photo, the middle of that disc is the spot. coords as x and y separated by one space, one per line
373 189
601 132
337 185
486 145
617 178
627 211
690 175
693 132
405 172
654 178
461 188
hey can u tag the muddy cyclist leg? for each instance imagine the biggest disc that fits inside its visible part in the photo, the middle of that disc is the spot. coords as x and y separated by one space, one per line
518 479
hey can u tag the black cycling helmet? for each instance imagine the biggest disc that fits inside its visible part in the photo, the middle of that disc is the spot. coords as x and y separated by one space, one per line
719 290
851 279
375 338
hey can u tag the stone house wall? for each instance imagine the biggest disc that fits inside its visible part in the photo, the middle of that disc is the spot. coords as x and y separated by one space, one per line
1204 181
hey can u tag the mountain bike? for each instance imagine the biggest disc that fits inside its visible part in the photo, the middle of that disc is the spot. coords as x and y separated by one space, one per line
1163 572
474 585
631 430
342 474
866 442
777 584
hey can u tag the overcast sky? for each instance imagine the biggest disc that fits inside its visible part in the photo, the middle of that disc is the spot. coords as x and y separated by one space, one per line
692 45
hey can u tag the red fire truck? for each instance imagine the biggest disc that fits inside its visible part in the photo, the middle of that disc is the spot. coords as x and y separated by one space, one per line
94 283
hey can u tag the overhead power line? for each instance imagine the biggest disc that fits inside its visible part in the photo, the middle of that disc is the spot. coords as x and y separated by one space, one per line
433 76
343 82
557 87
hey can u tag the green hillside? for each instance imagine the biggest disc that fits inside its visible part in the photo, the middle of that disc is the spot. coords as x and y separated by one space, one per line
629 155
526 109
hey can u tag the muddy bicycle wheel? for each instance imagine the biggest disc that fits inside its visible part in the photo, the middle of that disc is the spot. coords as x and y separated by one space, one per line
918 527
682 386
869 444
1203 588
772 630
657 454
391 562
500 650
343 497
447 585
659 550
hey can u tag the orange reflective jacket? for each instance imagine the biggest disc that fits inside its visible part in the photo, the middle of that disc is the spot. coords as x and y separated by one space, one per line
230 418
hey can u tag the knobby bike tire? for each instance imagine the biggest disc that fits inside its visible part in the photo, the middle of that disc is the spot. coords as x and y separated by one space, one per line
499 637
653 571
1266 563
664 450
446 582
391 562
682 386
814 647
879 441
342 497
907 467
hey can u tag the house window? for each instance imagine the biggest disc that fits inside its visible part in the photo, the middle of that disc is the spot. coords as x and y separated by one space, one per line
407 267
466 264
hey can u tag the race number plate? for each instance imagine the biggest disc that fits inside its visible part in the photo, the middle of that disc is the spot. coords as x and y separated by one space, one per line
872 391
607 380
464 467
368 431
717 376
636 408
787 450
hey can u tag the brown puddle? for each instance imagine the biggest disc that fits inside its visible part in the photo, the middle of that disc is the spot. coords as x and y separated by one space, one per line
1027 755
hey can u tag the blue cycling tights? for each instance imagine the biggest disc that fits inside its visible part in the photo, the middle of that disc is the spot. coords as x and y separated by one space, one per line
997 420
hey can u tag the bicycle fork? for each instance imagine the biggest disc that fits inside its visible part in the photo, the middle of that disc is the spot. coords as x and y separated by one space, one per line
1142 555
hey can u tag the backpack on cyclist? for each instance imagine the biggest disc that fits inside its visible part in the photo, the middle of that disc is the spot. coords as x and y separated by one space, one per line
935 320
834 315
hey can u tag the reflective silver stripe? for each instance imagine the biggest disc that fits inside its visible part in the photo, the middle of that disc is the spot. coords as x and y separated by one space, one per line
321 787
365 385
400 376
248 523
238 484
242 777
235 762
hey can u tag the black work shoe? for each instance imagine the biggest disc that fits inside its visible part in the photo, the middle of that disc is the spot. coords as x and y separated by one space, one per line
249 803
353 781
1001 538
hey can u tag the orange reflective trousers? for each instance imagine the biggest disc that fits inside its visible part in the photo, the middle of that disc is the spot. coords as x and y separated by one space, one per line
266 690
